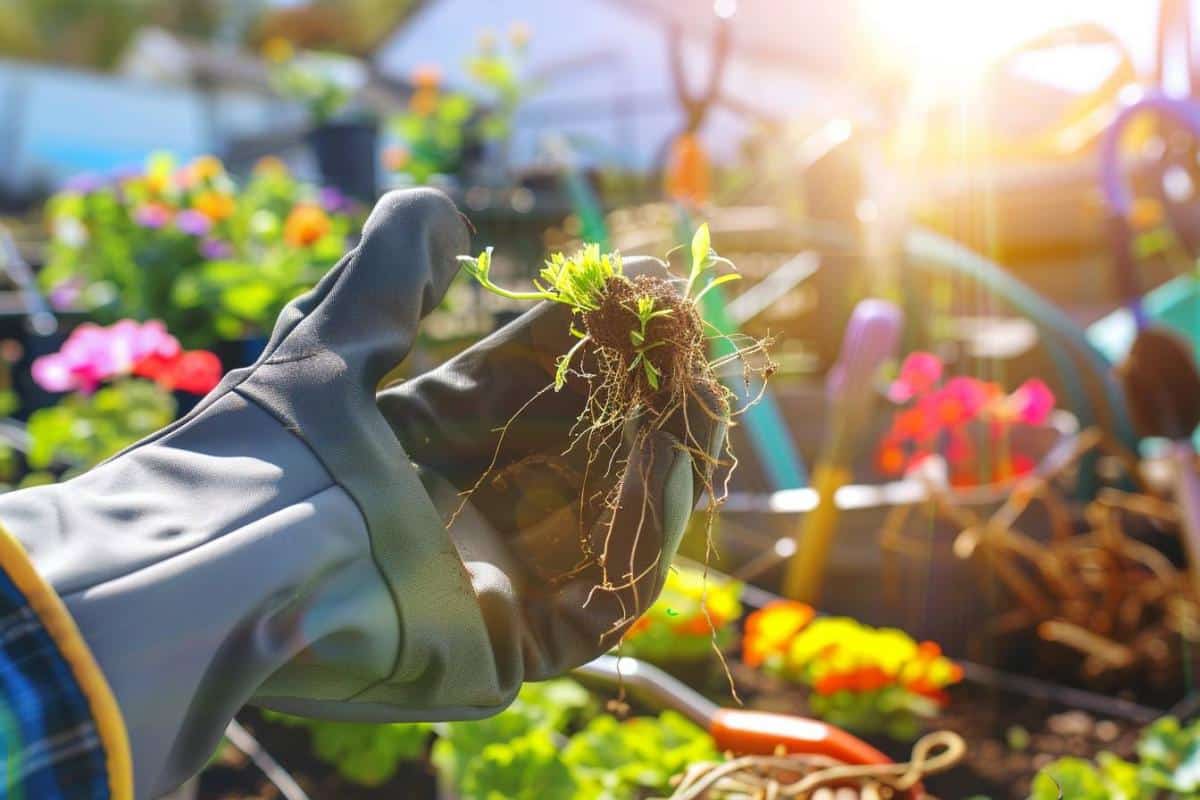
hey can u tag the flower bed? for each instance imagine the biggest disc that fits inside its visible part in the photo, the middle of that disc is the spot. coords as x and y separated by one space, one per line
187 245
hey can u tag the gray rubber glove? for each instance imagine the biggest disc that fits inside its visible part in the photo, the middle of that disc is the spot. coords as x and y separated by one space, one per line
279 545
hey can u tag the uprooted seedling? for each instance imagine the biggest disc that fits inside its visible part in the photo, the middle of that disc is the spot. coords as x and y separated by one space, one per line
640 356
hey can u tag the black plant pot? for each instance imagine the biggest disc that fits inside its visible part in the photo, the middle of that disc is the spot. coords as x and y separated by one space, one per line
346 155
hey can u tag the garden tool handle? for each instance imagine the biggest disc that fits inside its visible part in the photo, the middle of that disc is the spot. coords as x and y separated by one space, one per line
806 569
763 733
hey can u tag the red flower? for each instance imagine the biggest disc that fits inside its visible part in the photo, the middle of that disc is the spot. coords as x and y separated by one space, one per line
959 401
194 371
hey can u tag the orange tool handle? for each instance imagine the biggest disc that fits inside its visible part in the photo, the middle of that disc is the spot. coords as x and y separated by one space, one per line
761 733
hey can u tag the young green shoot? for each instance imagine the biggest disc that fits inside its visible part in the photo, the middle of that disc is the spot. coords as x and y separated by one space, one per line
645 312
577 281
704 258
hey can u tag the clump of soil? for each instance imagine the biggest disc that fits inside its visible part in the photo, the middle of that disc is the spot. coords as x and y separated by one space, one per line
681 359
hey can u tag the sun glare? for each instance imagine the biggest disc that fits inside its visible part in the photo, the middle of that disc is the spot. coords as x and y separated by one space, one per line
950 42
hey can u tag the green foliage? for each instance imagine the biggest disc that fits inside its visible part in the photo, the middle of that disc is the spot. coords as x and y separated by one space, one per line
638 756
83 430
1168 765
438 124
323 82
550 706
550 744
368 755
527 767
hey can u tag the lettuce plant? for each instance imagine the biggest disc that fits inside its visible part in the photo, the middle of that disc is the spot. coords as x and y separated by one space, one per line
1167 766
552 743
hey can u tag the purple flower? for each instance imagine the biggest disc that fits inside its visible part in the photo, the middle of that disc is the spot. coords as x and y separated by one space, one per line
63 296
193 223
84 183
215 249
333 200
152 215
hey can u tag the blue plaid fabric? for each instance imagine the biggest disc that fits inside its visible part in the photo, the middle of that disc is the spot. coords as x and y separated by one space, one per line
49 744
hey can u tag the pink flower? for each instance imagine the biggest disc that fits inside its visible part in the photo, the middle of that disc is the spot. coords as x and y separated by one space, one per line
152 215
1032 402
959 401
92 354
919 373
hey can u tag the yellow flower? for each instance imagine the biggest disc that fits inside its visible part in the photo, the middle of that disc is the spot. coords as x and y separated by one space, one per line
305 226
278 50
205 168
157 183
215 205
270 165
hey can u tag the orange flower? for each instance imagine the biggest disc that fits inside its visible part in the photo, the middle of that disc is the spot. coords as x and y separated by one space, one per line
426 77
396 158
215 205
519 33
1146 213
423 101
770 629
305 226
688 170
639 625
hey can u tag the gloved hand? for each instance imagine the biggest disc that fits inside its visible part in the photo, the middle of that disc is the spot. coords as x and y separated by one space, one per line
280 545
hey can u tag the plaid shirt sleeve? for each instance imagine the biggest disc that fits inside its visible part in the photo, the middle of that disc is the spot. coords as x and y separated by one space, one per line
61 735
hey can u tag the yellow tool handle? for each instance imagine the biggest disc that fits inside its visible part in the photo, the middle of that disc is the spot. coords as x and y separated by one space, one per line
807 567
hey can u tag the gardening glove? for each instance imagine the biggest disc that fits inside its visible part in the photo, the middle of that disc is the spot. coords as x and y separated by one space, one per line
538 524
278 544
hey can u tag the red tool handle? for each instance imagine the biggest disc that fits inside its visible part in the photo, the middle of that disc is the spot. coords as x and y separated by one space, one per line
761 733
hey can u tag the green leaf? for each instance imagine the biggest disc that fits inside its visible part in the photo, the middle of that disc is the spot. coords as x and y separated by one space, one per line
1070 779
651 374
715 282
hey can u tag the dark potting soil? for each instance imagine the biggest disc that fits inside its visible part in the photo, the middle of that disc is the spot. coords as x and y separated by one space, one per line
232 776
1009 735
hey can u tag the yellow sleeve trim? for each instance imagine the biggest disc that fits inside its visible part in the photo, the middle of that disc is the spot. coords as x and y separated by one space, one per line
61 627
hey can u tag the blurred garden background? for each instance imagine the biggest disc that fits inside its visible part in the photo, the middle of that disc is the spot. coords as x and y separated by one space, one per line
964 505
